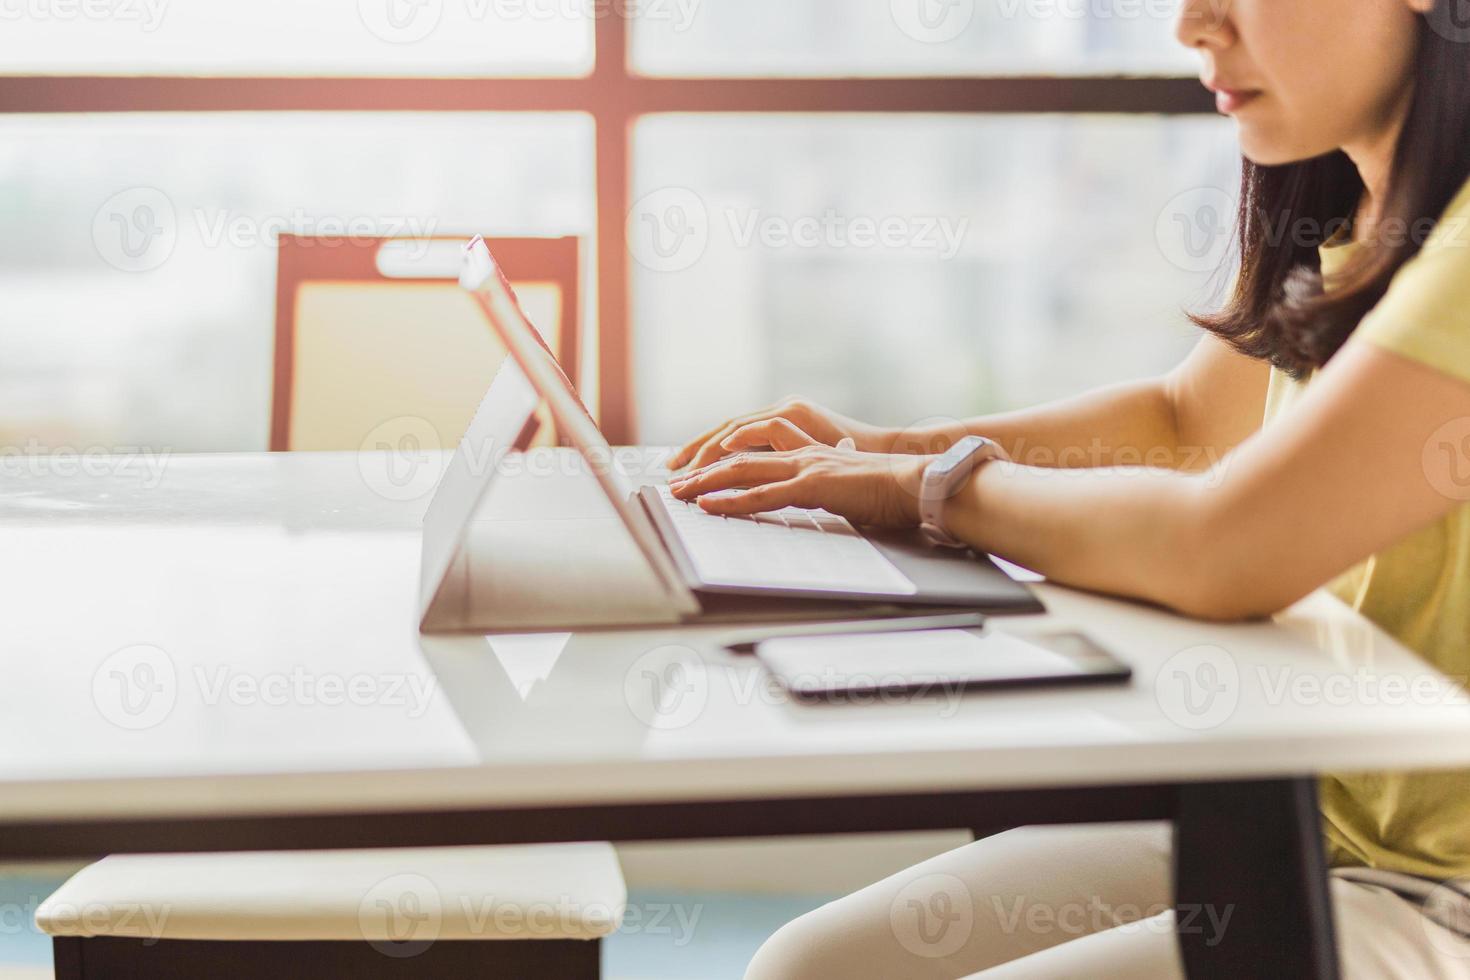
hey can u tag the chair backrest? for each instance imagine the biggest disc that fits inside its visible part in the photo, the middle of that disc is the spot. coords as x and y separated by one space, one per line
377 343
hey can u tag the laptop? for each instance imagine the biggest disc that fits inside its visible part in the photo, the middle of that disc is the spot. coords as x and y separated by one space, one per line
792 562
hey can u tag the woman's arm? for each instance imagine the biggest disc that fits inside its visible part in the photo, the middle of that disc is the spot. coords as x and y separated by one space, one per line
1378 447
1188 419
1372 453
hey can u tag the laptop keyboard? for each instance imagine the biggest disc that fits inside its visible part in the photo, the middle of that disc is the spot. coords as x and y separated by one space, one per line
791 549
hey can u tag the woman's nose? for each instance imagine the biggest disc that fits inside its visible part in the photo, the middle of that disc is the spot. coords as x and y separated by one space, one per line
1205 24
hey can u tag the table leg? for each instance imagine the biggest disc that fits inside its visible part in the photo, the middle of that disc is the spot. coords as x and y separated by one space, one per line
1250 882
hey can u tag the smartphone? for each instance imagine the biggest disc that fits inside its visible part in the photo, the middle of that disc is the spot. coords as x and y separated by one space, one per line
819 666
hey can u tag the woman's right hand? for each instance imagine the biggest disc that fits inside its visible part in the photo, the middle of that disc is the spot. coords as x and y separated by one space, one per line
787 425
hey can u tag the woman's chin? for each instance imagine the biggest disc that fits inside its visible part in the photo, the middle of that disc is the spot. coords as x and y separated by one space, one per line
1264 150
1265 158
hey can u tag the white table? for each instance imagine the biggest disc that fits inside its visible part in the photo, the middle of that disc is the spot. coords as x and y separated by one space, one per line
221 653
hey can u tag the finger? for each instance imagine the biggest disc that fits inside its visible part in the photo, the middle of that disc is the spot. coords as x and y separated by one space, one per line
713 451
756 500
742 471
687 451
694 471
684 455
778 433
698 450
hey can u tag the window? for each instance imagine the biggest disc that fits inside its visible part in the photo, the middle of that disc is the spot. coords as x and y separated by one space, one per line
837 38
1007 155
294 37
898 267
138 266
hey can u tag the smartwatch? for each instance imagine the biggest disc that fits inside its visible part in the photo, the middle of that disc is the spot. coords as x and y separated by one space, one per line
944 477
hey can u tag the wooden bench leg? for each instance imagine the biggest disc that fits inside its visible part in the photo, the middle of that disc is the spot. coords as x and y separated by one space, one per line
109 958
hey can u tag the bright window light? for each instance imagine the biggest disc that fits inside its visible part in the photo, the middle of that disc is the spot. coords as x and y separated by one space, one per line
295 37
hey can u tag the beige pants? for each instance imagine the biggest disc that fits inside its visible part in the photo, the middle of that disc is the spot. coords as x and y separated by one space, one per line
1067 902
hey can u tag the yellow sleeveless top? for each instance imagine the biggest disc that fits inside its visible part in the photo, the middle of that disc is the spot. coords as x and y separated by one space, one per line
1418 590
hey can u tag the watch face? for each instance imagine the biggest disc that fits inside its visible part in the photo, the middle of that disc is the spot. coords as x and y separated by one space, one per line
960 452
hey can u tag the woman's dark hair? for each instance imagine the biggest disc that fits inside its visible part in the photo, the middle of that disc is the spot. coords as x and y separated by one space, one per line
1279 310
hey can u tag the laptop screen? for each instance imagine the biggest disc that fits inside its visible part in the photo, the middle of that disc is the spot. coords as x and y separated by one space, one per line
487 282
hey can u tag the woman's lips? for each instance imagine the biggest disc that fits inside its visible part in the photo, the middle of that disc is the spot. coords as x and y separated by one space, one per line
1230 101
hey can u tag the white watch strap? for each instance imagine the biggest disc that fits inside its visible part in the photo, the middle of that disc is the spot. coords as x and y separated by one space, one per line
943 477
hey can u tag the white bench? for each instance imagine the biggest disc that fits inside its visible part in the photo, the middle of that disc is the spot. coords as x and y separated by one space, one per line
525 911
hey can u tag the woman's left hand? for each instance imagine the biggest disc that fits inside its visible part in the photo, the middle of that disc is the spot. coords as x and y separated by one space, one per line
874 489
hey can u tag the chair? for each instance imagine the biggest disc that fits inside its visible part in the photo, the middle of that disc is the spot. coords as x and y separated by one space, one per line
374 337
513 912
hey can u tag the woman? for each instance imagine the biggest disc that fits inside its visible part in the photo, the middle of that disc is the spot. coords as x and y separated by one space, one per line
1348 332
